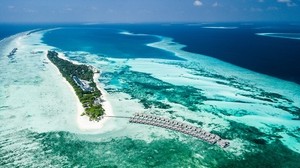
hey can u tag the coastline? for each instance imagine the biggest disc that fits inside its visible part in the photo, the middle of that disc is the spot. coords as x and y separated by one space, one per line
83 121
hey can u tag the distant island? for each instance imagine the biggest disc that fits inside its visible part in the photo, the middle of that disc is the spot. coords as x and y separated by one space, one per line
81 79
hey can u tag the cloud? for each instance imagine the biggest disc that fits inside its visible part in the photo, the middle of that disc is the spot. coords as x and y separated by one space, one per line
284 1
68 9
31 11
198 3
11 7
94 8
216 4
256 9
291 4
288 3
272 8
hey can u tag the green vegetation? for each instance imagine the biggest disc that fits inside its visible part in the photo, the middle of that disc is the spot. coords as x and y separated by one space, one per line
68 70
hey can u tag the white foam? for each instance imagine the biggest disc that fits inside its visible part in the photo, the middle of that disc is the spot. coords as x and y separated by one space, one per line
132 34
219 27
281 35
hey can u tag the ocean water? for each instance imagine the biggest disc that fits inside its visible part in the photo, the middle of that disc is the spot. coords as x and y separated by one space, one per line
107 42
239 44
7 30
153 74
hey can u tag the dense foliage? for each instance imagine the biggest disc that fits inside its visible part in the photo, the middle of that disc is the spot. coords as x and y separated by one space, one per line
68 70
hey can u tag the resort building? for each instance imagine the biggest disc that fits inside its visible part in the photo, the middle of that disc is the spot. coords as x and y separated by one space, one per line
84 85
98 101
95 70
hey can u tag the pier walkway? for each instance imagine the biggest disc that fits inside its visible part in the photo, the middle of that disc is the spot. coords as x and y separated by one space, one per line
147 119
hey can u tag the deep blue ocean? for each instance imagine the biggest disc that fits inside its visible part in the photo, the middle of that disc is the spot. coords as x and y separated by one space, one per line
105 41
7 30
276 57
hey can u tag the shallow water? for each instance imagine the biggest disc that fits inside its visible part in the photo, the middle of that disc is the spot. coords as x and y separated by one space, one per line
38 112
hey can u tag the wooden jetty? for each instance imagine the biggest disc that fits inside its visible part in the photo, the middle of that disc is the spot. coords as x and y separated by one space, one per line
199 133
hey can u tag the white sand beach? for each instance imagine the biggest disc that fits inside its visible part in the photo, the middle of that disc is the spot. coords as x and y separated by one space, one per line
83 121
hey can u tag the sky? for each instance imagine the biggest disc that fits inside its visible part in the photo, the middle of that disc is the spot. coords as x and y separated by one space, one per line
141 11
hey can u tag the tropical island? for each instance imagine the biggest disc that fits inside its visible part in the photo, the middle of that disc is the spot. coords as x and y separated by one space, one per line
80 77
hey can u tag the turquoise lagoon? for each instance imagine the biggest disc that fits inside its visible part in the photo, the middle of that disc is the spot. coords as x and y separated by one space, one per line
257 113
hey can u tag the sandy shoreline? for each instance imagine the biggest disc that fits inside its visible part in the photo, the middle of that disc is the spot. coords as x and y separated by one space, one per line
83 121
